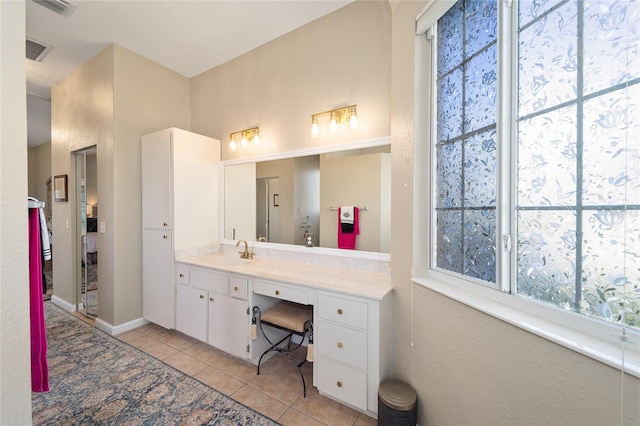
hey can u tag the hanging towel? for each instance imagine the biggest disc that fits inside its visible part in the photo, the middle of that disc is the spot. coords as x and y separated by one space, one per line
346 219
44 232
347 240
39 366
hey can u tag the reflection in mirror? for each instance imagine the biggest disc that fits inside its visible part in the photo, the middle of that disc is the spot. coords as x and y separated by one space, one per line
296 200
240 202
267 203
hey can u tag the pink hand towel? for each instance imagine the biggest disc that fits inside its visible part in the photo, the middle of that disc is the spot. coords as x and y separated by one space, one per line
39 366
348 240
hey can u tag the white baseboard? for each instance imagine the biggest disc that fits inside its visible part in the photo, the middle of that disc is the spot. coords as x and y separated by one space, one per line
101 324
118 329
69 307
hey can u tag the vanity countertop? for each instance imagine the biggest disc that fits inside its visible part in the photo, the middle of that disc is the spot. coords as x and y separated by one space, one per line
373 285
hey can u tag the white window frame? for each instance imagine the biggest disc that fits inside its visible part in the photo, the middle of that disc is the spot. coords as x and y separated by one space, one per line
613 344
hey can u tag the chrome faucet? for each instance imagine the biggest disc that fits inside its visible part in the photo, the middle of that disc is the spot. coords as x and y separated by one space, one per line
244 254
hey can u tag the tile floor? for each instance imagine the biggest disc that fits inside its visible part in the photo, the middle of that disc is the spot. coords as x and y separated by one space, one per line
276 392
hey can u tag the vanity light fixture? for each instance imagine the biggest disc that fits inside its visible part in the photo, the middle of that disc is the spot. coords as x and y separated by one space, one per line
336 116
252 134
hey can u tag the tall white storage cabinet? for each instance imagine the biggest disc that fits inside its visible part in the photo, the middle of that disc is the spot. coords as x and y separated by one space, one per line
180 211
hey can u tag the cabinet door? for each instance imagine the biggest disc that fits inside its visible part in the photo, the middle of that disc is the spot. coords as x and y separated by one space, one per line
156 181
228 324
157 277
195 162
191 312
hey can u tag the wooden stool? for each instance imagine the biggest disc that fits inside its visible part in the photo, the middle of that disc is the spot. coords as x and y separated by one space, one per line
293 318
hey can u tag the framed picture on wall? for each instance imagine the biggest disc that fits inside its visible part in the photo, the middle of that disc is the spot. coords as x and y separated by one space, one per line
60 188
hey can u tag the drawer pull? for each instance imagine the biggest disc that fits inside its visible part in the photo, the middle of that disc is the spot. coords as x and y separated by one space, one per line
164 224
339 311
277 292
181 275
339 384
211 299
164 236
235 288
340 345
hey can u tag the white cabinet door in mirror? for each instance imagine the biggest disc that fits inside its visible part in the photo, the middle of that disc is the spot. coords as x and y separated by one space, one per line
240 202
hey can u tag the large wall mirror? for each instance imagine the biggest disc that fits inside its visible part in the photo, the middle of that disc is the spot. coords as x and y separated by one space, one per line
294 198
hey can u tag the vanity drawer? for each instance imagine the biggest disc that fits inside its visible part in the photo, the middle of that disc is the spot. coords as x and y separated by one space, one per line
342 382
342 310
182 274
342 344
238 287
282 291
209 281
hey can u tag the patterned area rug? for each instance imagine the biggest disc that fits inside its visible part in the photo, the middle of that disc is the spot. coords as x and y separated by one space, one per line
96 379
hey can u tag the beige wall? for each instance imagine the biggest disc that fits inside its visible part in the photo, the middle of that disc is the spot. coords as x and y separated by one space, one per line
468 367
148 97
39 171
15 386
110 102
338 60
356 181
81 116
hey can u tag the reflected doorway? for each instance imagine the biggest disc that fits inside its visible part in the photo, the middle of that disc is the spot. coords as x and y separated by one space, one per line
87 231
267 203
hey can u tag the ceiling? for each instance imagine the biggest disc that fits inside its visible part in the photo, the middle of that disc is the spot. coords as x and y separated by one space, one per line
189 37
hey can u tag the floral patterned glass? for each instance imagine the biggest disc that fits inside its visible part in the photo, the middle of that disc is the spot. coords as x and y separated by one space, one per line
466 140
577 151
578 160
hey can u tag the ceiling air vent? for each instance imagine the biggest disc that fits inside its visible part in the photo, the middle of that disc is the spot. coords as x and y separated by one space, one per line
63 7
36 51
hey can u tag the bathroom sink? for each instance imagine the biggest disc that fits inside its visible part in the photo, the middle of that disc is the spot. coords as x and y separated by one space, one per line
231 261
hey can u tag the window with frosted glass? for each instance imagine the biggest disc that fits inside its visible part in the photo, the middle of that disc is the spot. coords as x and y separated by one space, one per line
466 140
573 156
578 165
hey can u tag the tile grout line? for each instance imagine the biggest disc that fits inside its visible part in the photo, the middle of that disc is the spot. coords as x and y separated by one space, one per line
244 383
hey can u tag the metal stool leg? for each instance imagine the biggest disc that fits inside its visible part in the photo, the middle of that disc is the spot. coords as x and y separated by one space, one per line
286 352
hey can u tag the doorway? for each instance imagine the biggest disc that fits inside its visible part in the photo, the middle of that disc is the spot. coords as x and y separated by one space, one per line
87 230
267 203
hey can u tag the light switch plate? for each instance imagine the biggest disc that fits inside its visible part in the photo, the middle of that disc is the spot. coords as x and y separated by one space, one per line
102 228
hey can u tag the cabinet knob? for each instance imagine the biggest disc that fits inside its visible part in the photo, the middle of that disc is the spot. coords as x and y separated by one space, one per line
339 311
340 345
277 292
181 275
211 299
164 236
164 224
339 384
235 288
202 296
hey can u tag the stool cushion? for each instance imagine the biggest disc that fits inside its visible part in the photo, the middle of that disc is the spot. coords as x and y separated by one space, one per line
289 315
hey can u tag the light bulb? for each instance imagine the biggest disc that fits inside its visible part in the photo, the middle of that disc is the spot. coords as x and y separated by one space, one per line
256 139
353 121
243 142
232 145
314 127
333 126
